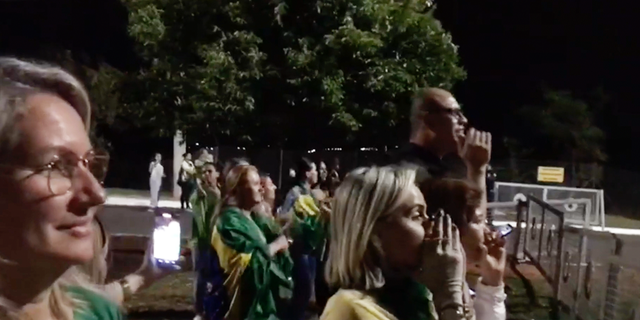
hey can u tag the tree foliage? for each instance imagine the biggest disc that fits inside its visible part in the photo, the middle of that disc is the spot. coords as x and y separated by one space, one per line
283 71
566 126
563 127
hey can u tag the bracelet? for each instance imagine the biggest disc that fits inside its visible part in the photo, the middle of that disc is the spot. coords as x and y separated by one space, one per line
458 309
126 288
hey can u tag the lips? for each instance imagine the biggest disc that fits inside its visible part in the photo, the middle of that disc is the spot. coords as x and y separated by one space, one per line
79 229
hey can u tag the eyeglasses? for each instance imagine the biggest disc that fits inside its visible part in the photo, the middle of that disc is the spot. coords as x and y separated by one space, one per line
457 113
61 171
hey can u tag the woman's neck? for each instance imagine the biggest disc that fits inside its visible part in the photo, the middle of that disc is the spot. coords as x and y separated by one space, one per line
270 202
305 184
24 287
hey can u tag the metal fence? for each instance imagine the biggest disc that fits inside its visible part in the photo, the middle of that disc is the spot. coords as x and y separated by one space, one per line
574 211
593 274
621 186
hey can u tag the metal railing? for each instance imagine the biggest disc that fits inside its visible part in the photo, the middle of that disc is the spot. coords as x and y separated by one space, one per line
593 274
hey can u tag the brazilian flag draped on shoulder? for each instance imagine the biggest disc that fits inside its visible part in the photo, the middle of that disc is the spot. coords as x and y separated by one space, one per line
309 223
203 204
257 284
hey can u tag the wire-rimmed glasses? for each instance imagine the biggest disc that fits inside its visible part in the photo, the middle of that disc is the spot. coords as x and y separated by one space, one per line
61 171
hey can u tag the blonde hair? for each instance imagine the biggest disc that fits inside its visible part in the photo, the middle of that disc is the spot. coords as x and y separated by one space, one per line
18 81
365 196
94 268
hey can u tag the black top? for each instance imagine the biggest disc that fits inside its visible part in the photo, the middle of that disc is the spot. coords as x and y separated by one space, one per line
428 163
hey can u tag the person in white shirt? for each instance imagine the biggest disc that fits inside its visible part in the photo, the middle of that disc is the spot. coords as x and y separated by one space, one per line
156 173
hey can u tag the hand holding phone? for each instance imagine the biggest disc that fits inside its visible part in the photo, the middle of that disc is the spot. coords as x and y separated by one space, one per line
504 230
166 240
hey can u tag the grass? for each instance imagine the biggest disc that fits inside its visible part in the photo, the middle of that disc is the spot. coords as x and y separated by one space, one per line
172 298
621 222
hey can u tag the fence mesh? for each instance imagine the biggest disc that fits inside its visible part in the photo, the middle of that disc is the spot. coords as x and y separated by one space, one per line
594 274
599 247
574 212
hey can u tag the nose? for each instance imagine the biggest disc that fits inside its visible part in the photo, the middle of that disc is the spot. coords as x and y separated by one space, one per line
462 119
88 191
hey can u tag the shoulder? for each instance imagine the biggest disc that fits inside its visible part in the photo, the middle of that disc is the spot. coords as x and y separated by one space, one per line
94 305
228 215
295 191
354 305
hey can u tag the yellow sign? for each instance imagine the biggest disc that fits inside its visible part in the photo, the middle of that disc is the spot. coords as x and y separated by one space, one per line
551 174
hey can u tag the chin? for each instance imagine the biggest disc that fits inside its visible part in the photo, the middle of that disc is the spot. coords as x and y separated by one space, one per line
78 251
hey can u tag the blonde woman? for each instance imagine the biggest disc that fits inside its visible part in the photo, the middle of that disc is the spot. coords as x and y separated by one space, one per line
252 252
50 192
384 252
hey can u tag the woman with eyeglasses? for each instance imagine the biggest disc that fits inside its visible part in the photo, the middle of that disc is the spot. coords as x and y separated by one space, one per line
50 193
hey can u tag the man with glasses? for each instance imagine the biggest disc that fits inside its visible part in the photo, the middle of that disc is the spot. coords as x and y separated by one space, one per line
440 129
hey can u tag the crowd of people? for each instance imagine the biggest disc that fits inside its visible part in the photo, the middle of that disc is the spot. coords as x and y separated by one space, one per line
403 240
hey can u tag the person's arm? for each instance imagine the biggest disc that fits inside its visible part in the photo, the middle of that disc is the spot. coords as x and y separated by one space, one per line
117 291
151 166
476 153
478 176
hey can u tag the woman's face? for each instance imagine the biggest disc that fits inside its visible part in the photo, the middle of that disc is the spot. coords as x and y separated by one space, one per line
322 171
312 175
39 228
268 188
402 233
473 235
210 175
252 190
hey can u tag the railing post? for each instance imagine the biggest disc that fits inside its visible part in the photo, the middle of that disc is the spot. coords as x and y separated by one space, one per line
541 233
519 216
611 297
559 259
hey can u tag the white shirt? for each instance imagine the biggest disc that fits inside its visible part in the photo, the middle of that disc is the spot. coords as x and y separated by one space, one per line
157 171
488 302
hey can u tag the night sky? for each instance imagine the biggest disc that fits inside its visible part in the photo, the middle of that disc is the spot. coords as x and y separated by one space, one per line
510 49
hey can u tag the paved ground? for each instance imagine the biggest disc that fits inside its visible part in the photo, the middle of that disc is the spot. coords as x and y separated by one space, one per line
138 220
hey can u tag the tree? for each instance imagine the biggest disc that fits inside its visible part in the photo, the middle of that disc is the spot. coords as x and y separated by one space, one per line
283 71
563 129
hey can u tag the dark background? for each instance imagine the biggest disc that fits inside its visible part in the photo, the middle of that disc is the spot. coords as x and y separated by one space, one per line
510 49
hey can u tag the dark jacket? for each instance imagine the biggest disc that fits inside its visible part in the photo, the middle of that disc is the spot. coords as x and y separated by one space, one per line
428 164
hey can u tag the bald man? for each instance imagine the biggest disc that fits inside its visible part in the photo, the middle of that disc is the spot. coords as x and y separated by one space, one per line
439 128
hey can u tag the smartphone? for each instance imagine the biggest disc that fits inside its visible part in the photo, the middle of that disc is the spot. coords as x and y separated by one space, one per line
433 215
504 230
166 240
